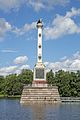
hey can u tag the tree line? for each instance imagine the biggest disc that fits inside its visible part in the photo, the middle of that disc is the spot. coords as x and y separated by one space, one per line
68 82
13 84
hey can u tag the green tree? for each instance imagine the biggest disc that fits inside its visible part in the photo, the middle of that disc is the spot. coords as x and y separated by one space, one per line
73 81
62 81
17 88
2 80
26 76
50 77
68 82
78 83
12 85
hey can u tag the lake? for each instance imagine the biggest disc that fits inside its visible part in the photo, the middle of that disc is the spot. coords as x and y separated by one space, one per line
12 110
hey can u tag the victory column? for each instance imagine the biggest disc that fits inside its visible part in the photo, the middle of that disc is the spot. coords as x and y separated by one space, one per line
39 79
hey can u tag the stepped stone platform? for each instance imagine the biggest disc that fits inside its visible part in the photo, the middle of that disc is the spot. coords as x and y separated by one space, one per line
40 95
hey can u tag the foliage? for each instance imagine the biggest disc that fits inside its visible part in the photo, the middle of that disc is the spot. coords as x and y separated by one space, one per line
13 84
1 84
68 82
50 77
26 76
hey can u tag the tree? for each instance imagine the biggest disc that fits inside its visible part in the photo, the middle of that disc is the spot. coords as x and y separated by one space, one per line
26 76
1 84
68 82
62 81
78 83
12 85
10 81
17 88
50 77
73 81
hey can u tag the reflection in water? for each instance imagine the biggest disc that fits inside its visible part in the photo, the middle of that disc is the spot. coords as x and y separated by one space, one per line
44 111
13 110
55 111
38 112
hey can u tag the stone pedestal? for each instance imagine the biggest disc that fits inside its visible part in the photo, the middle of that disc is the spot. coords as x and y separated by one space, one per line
37 83
39 79
34 95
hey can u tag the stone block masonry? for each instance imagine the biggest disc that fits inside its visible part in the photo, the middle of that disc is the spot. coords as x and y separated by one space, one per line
40 95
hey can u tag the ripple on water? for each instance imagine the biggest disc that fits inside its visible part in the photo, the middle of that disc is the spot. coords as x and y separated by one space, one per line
13 110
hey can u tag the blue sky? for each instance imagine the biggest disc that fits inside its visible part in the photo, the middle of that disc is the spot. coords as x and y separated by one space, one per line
18 34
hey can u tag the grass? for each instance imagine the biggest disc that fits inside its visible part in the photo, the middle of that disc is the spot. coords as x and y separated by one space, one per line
9 96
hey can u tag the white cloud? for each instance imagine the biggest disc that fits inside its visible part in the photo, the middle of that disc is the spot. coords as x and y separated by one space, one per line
26 28
37 5
4 27
18 71
24 67
48 4
8 70
46 63
8 51
77 55
73 12
7 5
63 25
68 64
13 69
64 58
21 60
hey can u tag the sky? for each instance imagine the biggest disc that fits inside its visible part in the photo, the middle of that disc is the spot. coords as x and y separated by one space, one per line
18 34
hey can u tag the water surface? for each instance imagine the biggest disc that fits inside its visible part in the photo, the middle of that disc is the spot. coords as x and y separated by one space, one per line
13 110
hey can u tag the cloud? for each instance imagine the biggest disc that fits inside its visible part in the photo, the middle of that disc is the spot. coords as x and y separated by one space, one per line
13 69
46 63
4 27
8 51
48 4
20 68
68 64
73 12
7 5
16 69
8 70
77 55
21 60
26 28
24 67
60 26
37 5
63 25
64 58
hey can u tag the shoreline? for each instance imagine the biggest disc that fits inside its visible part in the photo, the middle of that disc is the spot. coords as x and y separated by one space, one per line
10 96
